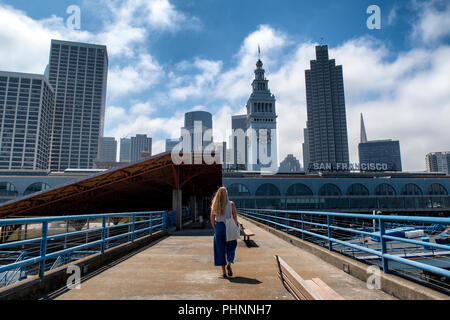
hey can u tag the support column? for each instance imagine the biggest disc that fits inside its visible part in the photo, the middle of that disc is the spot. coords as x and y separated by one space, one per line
177 207
193 207
200 210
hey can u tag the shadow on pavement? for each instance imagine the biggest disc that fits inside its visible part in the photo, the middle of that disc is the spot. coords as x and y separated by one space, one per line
244 280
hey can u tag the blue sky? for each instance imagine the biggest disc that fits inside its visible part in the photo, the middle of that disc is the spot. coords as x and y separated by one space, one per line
171 56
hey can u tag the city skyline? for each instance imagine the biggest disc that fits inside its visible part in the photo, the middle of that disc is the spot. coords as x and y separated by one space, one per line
382 70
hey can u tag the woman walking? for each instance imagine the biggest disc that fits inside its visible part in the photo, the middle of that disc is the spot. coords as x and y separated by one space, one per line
222 209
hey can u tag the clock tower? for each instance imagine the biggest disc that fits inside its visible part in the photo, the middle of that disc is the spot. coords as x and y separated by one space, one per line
261 125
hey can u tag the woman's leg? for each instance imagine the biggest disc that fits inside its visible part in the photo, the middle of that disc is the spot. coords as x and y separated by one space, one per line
219 245
231 251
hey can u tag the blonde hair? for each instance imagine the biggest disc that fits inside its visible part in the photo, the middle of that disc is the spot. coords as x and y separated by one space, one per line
219 202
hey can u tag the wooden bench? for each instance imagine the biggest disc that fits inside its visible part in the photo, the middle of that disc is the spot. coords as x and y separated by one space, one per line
314 289
246 232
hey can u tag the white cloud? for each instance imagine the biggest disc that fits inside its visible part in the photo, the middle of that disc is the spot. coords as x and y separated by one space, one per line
134 77
235 83
433 24
200 83
26 42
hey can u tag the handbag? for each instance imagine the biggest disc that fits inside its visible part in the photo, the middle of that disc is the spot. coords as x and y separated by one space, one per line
232 230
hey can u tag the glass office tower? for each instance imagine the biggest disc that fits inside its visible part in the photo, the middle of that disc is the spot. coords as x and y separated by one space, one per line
108 149
381 151
26 106
326 132
78 74
140 143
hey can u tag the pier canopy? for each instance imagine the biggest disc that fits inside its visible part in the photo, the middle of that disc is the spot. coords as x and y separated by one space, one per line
140 186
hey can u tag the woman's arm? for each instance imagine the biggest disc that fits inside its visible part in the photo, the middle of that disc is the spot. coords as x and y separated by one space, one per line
212 219
234 213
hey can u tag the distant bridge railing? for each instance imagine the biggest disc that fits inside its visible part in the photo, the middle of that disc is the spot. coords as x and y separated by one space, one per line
370 238
41 244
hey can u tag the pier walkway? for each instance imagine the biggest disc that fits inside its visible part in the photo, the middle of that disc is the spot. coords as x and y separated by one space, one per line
180 266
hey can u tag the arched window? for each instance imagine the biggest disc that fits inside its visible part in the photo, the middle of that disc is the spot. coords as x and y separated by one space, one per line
238 189
8 190
357 189
299 189
329 189
36 187
385 189
267 189
437 189
411 189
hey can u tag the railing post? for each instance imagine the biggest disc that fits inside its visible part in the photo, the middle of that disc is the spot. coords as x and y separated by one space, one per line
43 248
287 222
151 223
133 236
107 232
87 231
383 246
330 244
303 226
165 220
103 234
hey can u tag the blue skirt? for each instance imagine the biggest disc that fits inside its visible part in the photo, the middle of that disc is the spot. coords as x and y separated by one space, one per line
223 248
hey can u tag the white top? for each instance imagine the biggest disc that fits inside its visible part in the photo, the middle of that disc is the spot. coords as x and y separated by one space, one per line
227 215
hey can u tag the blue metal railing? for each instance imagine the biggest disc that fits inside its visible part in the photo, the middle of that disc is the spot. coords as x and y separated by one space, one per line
139 224
280 218
11 276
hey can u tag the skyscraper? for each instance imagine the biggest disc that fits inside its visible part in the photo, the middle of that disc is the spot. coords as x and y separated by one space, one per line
140 143
363 134
108 149
261 124
26 106
326 126
125 150
238 145
171 143
305 146
198 139
290 164
438 162
379 151
78 73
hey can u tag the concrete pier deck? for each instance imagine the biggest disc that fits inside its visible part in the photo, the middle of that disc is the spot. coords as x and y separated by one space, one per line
181 267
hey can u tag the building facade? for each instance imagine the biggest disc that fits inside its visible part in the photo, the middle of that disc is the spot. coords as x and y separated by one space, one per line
386 152
140 143
238 143
393 192
381 152
108 149
125 150
197 141
326 137
78 74
262 149
290 164
171 143
26 108
438 162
